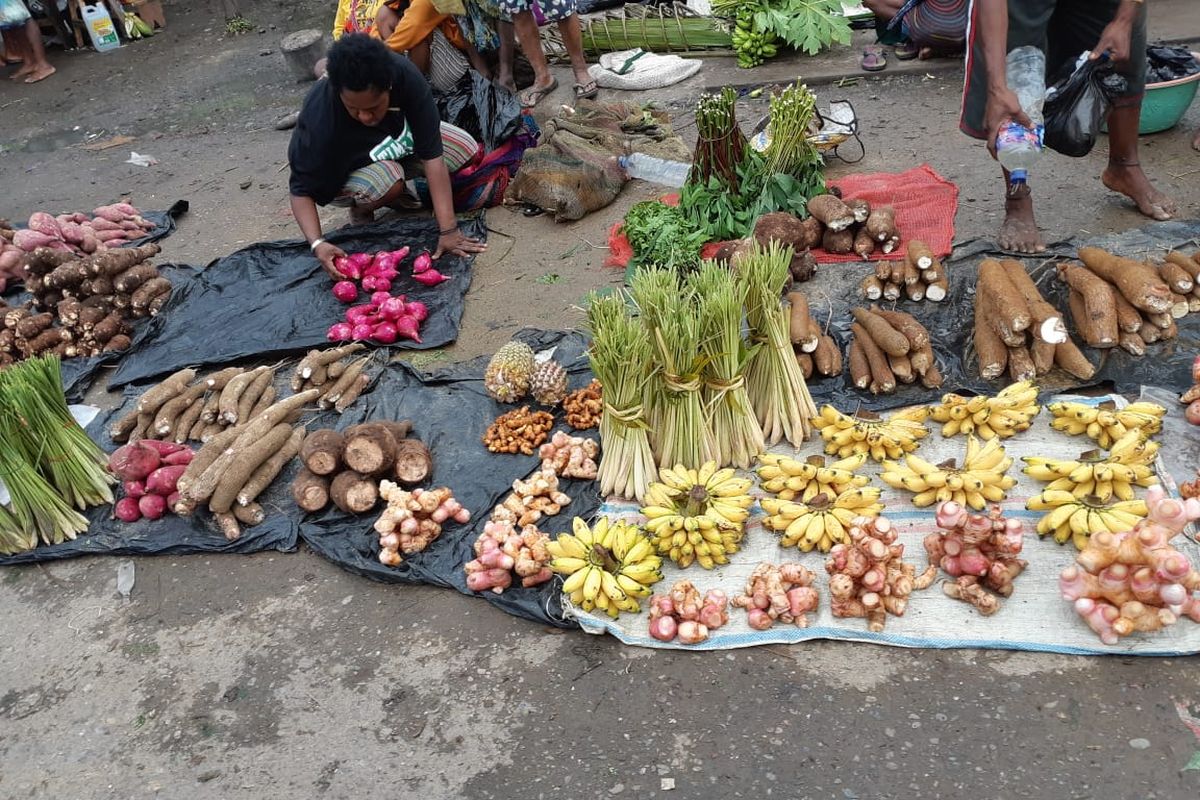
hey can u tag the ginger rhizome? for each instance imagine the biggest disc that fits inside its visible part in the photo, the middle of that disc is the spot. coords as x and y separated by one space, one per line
868 577
502 550
412 520
683 614
979 551
778 592
1136 580
531 499
570 456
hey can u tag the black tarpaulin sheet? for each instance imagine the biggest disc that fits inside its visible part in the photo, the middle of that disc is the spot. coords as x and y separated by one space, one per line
450 412
273 299
174 535
951 323
164 223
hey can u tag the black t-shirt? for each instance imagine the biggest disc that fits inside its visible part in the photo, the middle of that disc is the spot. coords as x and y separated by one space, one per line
328 144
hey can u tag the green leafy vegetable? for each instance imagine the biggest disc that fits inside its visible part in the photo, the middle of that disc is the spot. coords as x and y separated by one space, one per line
661 236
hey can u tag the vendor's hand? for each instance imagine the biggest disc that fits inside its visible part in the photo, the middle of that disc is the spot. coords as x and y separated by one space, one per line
1114 40
326 253
1002 107
456 244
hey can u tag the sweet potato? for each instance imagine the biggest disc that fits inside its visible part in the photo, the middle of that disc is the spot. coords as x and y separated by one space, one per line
1139 282
860 370
989 348
890 340
1129 319
827 358
311 492
1005 302
243 465
322 451
368 448
1020 365
863 244
840 242
353 493
1071 360
871 288
831 212
881 374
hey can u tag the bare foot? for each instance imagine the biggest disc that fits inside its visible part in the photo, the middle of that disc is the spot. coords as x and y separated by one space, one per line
1019 232
40 74
1129 180
25 69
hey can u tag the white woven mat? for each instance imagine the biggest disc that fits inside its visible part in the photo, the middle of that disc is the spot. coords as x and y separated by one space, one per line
1034 618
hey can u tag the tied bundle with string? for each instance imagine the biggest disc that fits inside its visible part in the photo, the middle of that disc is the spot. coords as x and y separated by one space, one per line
678 433
774 382
50 466
621 357
737 436
720 143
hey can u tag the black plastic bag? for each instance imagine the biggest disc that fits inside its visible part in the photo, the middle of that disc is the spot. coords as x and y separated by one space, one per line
1077 105
489 113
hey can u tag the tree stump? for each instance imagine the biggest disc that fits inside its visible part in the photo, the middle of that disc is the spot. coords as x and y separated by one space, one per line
301 51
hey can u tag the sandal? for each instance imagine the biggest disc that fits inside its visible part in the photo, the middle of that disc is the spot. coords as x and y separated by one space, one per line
874 59
586 91
533 95
906 51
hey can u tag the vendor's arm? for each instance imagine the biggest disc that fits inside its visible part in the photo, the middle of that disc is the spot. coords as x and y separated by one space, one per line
991 26
451 240
416 23
1116 36
304 209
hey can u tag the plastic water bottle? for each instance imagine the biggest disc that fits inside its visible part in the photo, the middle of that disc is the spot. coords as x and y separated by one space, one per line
1017 147
655 170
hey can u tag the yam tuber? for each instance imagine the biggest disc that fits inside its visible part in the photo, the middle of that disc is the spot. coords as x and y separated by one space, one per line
882 381
863 244
990 349
800 323
414 464
881 224
353 493
890 340
840 242
1140 284
832 213
369 448
322 451
310 491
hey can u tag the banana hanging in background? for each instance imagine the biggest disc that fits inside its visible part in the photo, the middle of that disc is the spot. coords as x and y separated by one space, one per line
1100 475
878 437
982 479
697 515
609 566
1105 424
1076 519
1002 416
794 480
822 522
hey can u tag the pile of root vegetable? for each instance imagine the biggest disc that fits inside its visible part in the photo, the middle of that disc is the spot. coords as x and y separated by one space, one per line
82 305
76 233
890 348
919 276
347 467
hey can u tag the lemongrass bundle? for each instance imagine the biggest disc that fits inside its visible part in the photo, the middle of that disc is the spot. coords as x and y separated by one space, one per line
773 379
737 435
679 435
621 359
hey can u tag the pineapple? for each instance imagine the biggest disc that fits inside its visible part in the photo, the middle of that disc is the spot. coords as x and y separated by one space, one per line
548 383
508 373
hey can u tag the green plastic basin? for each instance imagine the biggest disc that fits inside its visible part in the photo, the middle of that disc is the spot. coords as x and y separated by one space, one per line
1166 103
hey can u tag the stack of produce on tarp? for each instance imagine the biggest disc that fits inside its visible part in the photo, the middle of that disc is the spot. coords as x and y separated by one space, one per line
763 27
81 234
81 306
919 276
387 317
890 347
51 469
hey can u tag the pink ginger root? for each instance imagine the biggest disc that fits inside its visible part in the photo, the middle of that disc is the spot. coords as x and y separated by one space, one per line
780 592
683 614
500 548
980 551
1136 580
869 578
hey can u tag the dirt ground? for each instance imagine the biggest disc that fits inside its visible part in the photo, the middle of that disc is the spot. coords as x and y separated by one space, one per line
274 675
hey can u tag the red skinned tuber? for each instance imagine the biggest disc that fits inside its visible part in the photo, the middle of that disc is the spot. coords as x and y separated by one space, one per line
152 506
133 462
162 481
345 291
164 448
430 277
126 509
422 263
340 332
682 614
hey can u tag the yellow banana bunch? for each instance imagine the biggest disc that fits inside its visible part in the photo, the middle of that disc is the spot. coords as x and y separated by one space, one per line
822 522
980 480
1104 424
877 437
1002 416
697 515
1076 518
792 479
1094 474
609 566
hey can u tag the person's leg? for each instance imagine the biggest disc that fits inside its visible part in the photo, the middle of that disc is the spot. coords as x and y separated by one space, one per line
1124 172
458 147
39 67
385 22
507 53
572 36
531 46
370 188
